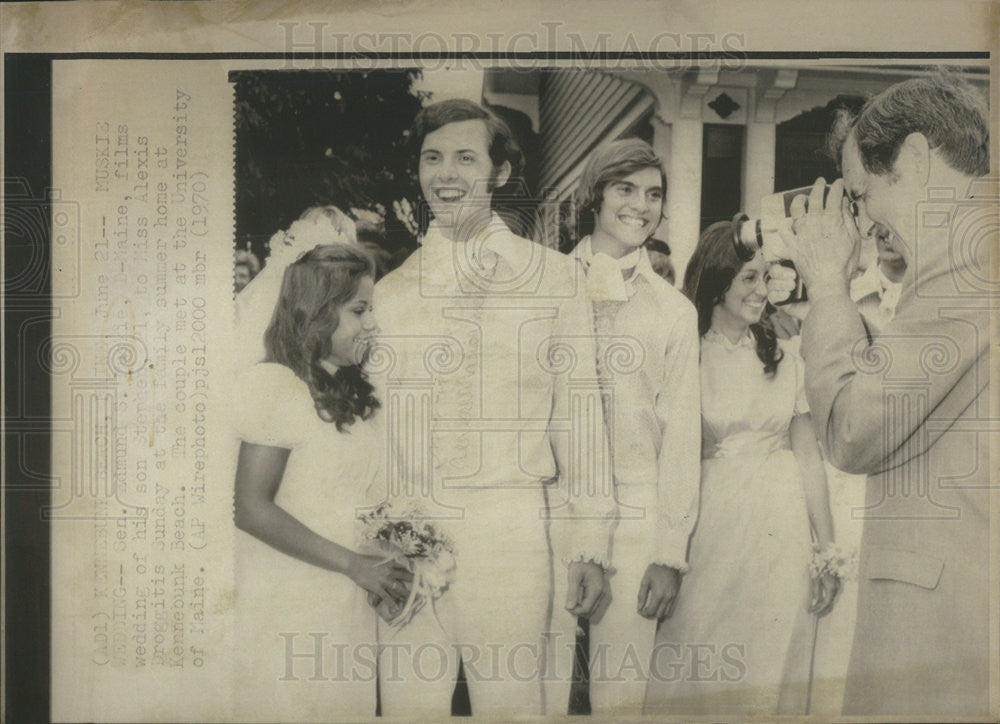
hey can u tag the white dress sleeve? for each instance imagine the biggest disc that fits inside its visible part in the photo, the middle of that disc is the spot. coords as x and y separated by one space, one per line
272 406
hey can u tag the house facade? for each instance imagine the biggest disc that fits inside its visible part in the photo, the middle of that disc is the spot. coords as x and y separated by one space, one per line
727 136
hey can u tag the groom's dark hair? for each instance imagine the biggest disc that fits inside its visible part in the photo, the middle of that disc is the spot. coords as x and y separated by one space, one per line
502 145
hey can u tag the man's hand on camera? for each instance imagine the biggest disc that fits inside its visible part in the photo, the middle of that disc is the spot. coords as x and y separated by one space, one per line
823 243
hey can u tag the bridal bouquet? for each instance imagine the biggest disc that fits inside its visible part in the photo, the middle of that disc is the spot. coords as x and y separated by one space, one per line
405 535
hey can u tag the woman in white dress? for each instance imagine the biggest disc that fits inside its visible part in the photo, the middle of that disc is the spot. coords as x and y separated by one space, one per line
740 639
308 458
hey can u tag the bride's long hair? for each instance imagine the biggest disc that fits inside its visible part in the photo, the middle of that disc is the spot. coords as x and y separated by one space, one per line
313 291
710 272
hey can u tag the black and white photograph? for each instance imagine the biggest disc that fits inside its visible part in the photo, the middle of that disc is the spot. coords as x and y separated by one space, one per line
703 362
512 375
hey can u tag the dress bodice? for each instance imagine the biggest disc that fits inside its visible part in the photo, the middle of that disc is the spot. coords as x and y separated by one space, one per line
743 410
330 474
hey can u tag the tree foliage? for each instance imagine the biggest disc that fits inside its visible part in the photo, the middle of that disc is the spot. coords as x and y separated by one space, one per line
305 138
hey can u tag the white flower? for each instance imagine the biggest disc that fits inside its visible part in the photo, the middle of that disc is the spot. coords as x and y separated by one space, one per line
433 579
369 219
410 543
833 560
317 227
445 561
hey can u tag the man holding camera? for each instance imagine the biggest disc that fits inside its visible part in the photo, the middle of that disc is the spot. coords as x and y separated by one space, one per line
909 407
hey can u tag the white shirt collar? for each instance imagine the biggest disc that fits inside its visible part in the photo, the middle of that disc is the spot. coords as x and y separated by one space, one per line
494 238
471 267
874 281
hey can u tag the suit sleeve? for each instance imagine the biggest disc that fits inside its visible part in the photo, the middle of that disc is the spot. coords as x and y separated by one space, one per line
678 408
582 506
844 403
871 397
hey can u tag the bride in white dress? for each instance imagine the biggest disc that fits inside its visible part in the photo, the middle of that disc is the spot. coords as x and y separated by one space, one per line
307 463
739 642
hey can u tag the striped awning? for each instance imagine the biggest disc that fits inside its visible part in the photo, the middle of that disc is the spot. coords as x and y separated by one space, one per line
579 110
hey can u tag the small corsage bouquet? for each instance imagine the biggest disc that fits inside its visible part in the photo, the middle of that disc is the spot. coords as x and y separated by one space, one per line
834 561
405 534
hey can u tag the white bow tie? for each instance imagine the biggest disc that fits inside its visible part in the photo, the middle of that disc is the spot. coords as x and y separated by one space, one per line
606 275
605 280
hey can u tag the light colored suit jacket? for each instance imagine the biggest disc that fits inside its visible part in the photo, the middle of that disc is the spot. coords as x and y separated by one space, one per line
911 410
507 362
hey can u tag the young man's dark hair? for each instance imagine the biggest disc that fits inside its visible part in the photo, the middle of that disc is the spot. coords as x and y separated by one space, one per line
608 164
502 145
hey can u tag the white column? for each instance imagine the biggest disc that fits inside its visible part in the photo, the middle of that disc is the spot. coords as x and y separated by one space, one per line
684 194
758 169
761 137
662 134
663 145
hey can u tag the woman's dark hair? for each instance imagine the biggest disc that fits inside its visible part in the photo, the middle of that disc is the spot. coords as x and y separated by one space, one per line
710 272
313 290
606 165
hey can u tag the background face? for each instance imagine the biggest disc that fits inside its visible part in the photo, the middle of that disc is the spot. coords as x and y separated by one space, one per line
662 265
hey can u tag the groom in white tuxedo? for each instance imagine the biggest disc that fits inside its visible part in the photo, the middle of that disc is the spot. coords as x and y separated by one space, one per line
493 417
